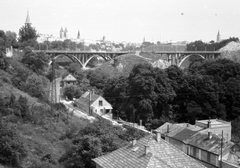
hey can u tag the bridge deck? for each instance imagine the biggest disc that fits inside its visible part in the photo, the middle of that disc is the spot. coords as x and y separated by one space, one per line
79 52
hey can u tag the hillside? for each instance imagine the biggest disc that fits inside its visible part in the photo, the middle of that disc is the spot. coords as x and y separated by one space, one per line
44 136
123 65
231 51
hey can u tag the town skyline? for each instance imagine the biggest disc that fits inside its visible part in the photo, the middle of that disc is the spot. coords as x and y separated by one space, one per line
127 20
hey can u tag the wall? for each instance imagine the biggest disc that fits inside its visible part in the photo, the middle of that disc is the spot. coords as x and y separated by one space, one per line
97 108
229 165
177 144
203 155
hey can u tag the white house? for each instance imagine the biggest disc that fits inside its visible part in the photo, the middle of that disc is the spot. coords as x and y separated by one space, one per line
93 103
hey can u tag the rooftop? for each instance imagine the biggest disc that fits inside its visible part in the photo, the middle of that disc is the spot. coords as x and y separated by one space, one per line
213 144
175 128
69 78
184 134
161 154
213 122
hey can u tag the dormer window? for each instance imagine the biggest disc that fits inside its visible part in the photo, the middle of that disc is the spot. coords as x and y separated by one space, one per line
100 103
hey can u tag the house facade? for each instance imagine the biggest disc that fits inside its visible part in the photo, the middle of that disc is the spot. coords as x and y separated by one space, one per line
92 103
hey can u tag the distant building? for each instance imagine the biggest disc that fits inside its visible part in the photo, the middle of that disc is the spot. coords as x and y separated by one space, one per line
57 86
218 37
69 80
148 152
27 22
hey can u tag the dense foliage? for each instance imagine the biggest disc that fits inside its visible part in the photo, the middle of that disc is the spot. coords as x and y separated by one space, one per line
94 140
206 90
211 46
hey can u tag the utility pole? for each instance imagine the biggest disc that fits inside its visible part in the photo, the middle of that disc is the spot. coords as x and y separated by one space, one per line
221 149
89 101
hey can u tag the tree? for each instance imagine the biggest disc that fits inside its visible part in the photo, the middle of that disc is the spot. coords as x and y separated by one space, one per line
34 86
27 36
71 92
11 39
23 106
2 41
3 61
12 151
35 61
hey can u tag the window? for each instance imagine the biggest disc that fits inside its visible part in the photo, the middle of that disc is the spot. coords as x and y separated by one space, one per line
100 102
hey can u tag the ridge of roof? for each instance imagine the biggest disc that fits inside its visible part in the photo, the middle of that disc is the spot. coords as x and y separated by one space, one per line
161 154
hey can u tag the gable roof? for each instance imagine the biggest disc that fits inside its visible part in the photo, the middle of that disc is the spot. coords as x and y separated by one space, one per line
213 145
69 78
175 128
161 154
184 134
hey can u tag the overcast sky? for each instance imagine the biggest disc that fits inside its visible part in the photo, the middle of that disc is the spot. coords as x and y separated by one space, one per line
127 20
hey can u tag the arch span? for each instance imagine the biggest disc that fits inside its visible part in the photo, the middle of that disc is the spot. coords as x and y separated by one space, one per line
186 57
69 56
105 57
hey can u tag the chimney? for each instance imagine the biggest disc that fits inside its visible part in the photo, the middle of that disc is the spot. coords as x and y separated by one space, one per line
90 95
187 124
209 135
146 149
209 123
140 123
167 128
158 136
134 142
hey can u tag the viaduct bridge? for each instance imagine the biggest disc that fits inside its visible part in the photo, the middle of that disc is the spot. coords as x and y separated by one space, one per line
178 57
174 57
82 57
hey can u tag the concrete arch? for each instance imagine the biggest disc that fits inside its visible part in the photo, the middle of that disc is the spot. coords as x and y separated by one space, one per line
181 62
69 56
105 57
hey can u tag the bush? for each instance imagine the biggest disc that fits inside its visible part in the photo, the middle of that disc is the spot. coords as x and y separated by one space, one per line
12 150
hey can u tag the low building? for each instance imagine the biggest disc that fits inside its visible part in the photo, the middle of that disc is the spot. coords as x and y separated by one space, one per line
202 141
209 147
217 126
92 103
69 80
148 152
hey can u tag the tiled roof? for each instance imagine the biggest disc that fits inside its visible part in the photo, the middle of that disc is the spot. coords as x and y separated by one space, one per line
83 101
213 145
175 128
184 134
161 155
69 78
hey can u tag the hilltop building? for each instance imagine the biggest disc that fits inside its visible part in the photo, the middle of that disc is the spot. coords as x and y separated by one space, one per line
218 37
27 22
63 33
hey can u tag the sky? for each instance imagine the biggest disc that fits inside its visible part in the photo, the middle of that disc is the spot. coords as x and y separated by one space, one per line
127 20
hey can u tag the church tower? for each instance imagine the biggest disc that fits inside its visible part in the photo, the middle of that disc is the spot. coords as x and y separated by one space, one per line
218 37
61 33
65 33
28 19
78 35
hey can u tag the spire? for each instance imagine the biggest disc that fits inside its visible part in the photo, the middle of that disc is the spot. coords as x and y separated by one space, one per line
218 36
65 33
61 33
78 35
28 19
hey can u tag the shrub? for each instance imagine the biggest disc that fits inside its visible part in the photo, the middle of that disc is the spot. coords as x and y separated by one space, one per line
12 150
